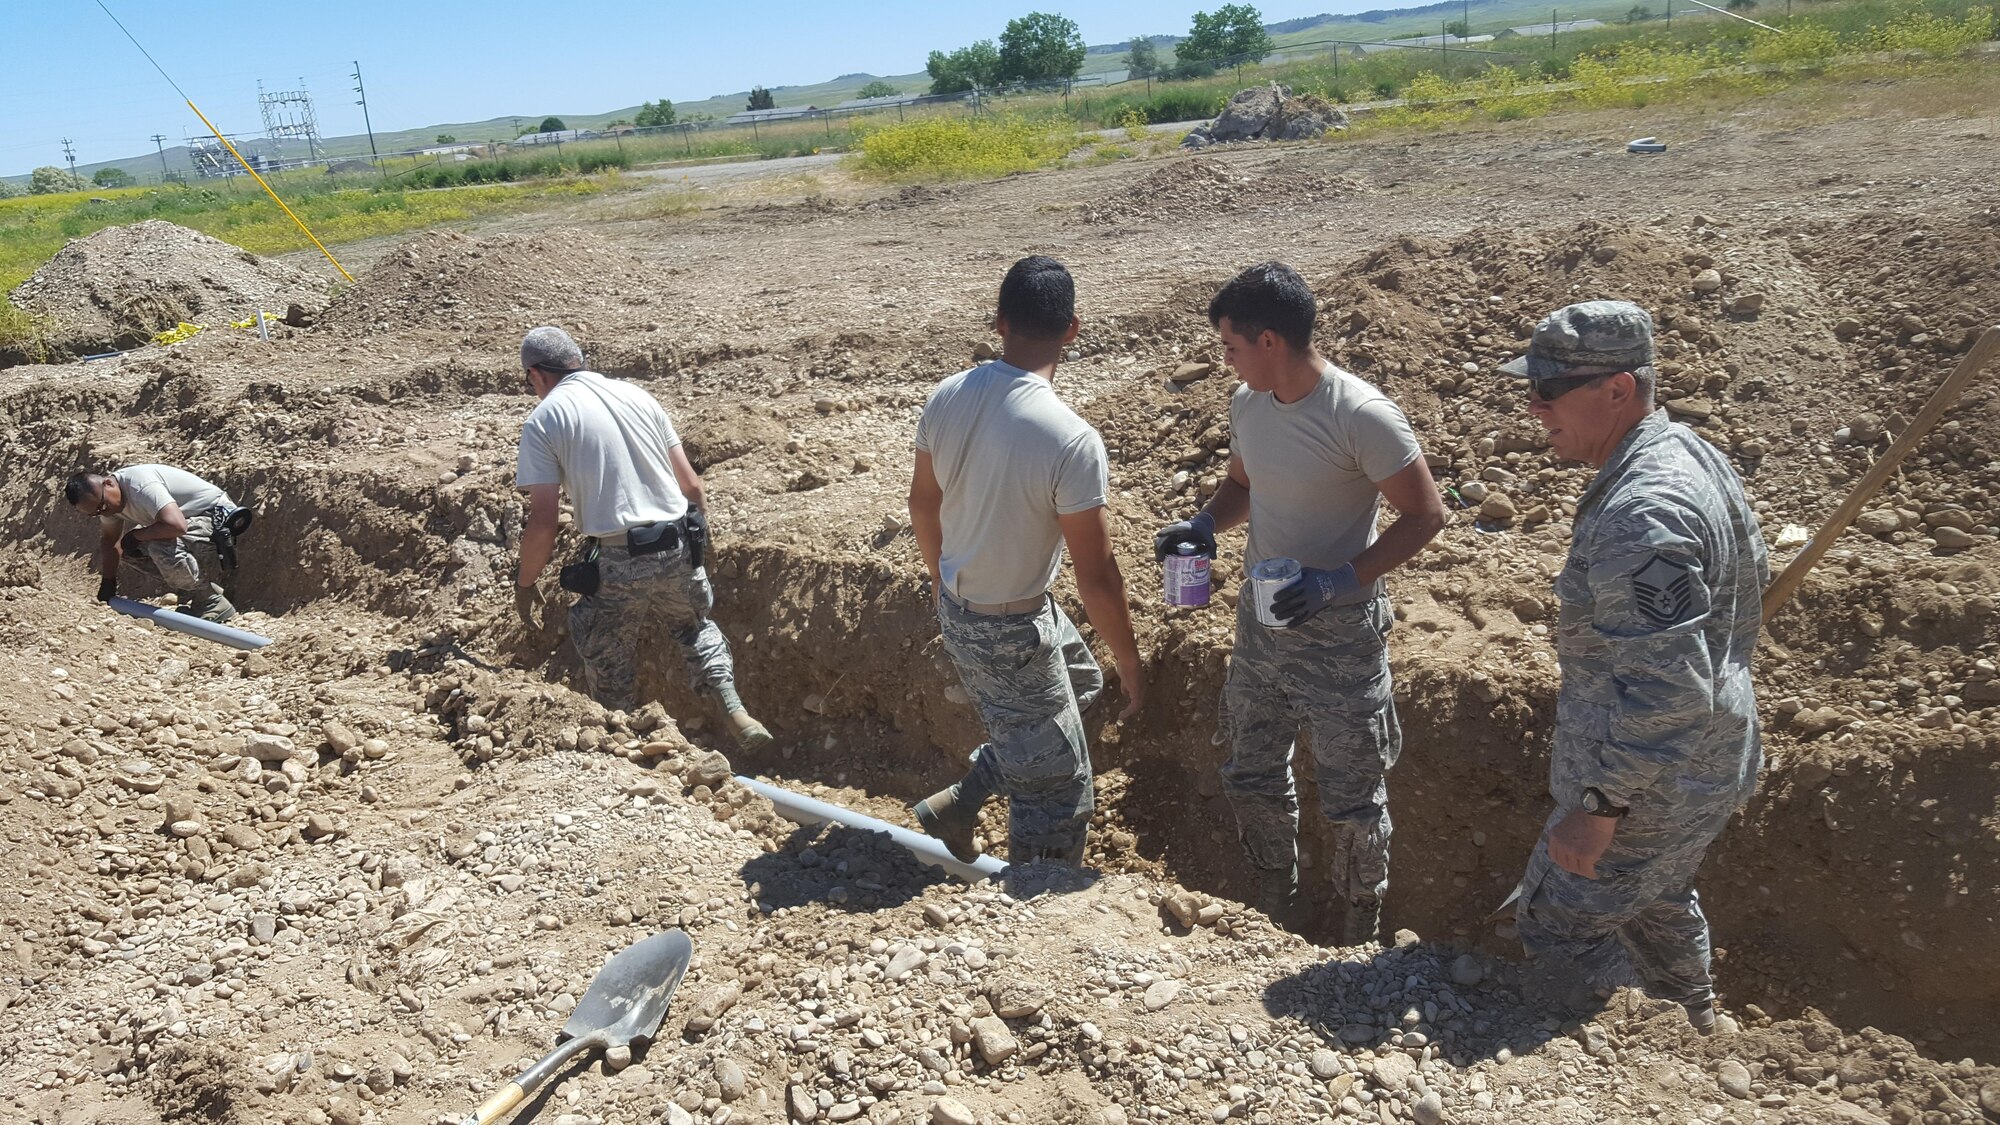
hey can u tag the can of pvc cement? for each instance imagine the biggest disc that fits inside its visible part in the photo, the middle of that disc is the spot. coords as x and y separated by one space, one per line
1187 576
1266 579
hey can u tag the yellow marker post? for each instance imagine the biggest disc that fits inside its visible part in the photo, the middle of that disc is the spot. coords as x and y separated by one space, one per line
267 189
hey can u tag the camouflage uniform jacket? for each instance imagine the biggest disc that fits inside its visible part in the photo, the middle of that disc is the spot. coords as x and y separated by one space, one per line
1661 600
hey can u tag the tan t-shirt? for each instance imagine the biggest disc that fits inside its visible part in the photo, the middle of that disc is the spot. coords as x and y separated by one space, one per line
1010 458
148 488
1313 465
606 443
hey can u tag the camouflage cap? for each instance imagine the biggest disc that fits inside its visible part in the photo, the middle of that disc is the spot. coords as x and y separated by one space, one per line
1591 338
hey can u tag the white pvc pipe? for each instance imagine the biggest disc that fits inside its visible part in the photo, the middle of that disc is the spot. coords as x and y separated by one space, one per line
801 809
188 623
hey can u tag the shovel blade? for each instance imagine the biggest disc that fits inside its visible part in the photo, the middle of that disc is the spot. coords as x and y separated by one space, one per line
629 998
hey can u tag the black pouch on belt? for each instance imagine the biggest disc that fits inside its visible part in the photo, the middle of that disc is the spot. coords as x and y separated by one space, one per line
581 576
697 537
653 538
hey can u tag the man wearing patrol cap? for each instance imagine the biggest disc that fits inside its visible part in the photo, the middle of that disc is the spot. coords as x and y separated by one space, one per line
1656 740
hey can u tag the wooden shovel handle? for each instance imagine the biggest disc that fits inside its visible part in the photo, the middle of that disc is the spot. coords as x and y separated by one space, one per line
497 1106
1879 474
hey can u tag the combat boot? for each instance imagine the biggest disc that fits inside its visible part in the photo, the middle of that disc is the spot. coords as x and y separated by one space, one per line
1278 895
949 817
750 734
1706 1021
208 603
1363 923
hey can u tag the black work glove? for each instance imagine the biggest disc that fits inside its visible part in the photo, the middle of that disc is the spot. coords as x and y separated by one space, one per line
108 588
130 545
528 599
1199 531
1313 590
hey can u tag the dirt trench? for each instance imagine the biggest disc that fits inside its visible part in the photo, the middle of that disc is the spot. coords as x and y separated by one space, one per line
1842 887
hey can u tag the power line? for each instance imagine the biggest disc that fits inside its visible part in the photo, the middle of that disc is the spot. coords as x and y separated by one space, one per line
145 52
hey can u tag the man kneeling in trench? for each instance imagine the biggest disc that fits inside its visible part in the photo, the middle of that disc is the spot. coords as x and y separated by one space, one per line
1656 740
165 522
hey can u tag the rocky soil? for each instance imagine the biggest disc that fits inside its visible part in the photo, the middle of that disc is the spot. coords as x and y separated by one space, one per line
363 874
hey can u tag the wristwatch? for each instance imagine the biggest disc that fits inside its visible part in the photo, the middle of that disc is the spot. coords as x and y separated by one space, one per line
1597 804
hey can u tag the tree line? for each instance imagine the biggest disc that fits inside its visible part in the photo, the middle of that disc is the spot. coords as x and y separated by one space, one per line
1046 47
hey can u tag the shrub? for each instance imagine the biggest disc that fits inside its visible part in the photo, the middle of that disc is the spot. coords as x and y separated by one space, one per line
49 180
1133 121
964 148
1802 45
1935 35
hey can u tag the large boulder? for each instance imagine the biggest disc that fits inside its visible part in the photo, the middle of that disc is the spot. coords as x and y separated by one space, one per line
1269 113
1305 118
1248 113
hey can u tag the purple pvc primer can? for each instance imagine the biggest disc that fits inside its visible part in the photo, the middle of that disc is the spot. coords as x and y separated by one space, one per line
1187 576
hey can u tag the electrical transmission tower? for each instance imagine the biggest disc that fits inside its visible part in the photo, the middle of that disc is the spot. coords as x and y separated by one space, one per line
288 115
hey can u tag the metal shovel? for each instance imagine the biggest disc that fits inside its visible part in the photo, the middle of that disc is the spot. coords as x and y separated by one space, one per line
627 1001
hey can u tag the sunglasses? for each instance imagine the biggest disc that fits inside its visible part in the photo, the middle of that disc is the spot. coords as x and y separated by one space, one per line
1549 390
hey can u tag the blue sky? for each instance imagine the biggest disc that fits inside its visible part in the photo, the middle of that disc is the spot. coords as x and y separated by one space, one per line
73 75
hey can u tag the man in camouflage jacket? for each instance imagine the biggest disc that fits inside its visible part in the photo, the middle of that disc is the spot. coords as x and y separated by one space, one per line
1656 740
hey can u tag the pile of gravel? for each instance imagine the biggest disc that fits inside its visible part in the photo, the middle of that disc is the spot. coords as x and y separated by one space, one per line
114 289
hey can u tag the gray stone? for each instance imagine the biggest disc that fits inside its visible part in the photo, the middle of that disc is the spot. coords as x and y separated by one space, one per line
731 1080
1953 539
1161 993
906 960
1325 1064
1734 1078
951 1111
799 1102
1466 971
709 768
993 1040
1246 115
1393 1071
1429 1109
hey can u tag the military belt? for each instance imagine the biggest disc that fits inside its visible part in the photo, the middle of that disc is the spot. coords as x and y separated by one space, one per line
998 609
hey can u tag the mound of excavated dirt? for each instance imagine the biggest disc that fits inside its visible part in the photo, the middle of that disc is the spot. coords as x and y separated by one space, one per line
116 288
452 283
1188 189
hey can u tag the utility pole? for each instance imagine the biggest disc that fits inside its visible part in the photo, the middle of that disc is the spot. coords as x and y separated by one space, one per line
160 143
1552 28
69 154
369 125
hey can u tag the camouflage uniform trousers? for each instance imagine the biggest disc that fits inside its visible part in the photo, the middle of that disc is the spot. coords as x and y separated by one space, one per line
635 596
1330 677
180 563
1032 676
1640 915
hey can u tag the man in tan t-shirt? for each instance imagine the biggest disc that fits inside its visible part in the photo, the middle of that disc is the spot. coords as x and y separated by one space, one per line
1313 452
1007 475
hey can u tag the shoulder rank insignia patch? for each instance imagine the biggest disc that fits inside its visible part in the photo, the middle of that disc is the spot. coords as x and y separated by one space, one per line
1664 591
